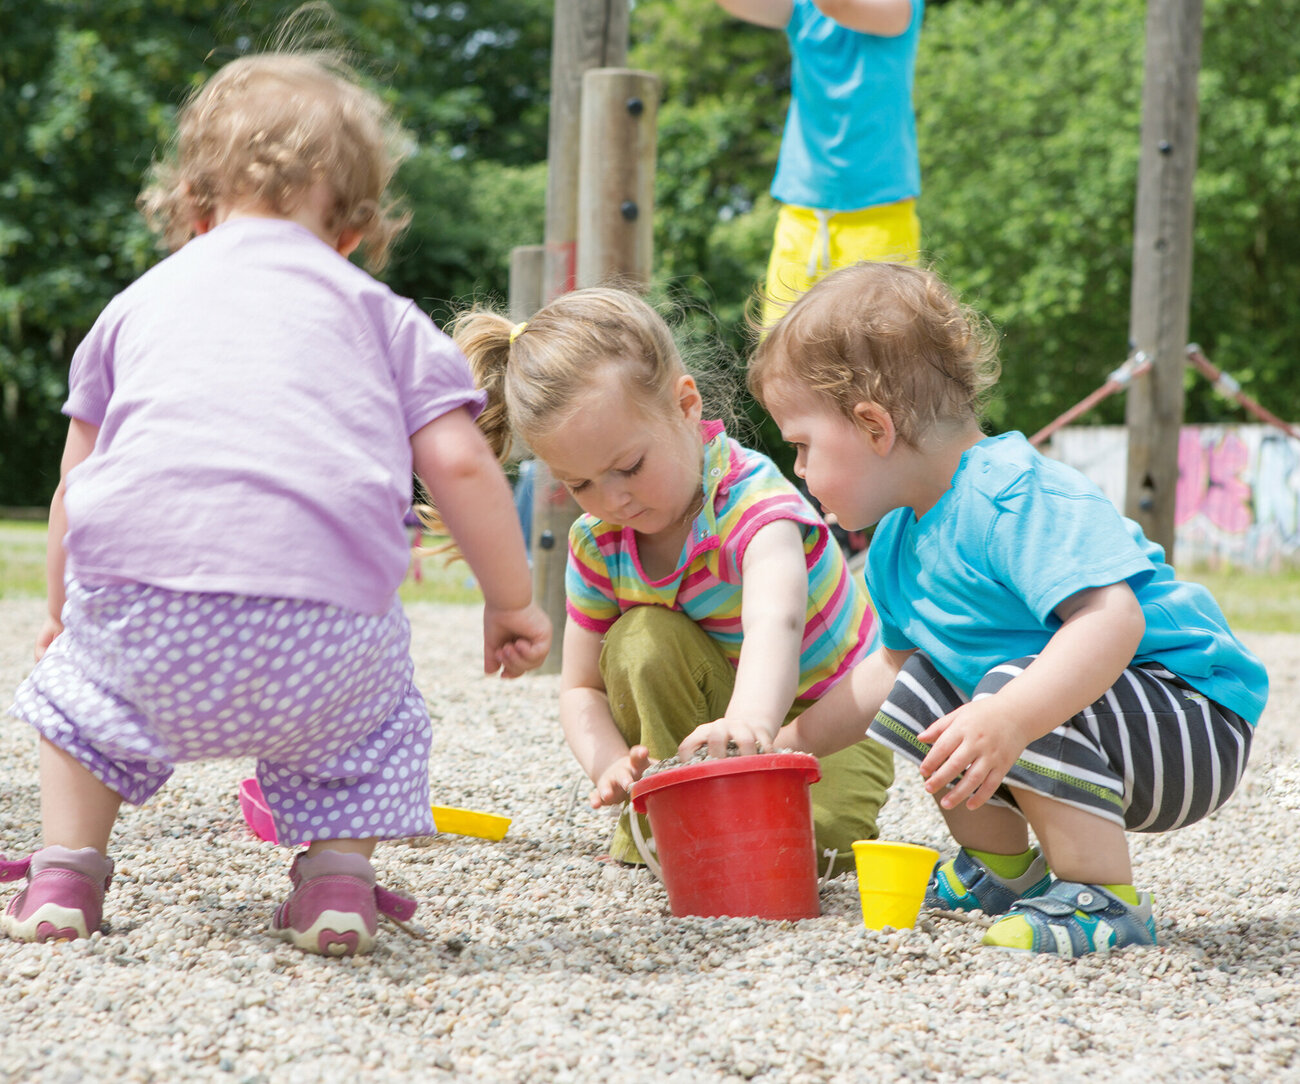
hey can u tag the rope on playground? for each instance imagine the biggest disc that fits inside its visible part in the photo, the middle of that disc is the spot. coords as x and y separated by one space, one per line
1137 364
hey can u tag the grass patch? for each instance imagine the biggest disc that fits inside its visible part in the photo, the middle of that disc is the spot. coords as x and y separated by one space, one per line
22 570
22 559
441 582
1253 601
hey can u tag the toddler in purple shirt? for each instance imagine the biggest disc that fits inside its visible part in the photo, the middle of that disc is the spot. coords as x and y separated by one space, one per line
254 389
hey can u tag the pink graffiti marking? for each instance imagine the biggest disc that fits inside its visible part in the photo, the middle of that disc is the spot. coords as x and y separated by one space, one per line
1210 482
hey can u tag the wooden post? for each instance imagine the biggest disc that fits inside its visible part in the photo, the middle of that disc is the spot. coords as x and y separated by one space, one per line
587 34
620 110
554 511
527 279
527 269
1162 263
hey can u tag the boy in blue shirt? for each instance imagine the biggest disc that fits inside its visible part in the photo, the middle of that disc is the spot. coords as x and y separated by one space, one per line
1039 661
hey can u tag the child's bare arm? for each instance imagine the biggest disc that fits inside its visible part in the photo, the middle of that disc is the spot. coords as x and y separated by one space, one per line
473 499
773 13
1101 630
773 613
79 444
884 18
841 717
589 727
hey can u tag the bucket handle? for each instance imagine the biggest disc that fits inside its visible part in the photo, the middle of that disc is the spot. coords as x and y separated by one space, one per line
643 848
830 854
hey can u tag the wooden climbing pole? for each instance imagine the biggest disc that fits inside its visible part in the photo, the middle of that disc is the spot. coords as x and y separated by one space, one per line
599 211
1162 263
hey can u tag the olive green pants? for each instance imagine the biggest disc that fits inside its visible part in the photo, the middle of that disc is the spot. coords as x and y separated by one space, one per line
665 676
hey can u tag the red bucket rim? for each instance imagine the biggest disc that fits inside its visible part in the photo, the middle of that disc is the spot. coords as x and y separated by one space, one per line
716 767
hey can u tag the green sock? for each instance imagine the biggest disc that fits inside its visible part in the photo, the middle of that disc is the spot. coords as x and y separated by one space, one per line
1006 866
1125 892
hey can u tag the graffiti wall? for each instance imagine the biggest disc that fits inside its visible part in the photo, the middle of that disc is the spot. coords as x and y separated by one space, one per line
1238 500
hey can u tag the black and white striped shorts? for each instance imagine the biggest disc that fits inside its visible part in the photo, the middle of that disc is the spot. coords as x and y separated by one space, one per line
1152 754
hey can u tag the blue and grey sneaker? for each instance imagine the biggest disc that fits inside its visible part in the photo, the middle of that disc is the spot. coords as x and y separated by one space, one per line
964 883
1073 919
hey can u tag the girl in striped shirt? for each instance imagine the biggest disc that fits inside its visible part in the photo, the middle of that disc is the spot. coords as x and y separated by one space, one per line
702 588
1039 661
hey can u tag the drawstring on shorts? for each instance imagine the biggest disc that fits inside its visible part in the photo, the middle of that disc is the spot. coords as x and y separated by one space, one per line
819 259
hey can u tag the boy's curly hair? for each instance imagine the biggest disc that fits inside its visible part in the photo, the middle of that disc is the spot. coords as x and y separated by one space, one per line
262 131
884 333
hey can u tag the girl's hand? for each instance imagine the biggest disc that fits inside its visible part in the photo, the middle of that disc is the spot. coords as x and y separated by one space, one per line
615 783
750 735
52 627
515 641
978 742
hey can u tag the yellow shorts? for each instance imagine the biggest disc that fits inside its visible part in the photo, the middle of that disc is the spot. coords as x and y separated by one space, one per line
809 243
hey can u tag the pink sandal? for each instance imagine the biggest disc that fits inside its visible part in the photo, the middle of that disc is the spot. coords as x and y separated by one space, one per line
64 897
335 905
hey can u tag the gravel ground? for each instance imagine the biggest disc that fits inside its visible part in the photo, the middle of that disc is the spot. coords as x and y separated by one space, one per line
542 963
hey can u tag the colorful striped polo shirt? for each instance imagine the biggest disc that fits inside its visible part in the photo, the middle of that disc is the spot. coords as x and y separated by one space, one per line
743 492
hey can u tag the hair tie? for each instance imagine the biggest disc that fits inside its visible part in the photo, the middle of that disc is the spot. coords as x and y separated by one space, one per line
517 330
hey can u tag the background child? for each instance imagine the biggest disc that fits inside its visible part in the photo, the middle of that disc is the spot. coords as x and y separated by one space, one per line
1039 660
701 586
848 175
253 390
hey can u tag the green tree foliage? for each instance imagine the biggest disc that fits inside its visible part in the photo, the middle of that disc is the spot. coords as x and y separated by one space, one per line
1029 120
1030 172
1247 269
726 85
88 93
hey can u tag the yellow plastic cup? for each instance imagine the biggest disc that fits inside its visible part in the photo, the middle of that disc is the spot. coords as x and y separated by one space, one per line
891 881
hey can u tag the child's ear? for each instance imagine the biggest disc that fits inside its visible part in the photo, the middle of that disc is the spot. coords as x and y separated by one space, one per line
689 401
876 422
199 224
348 242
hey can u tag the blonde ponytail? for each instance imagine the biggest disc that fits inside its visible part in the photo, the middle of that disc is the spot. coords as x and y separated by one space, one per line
484 338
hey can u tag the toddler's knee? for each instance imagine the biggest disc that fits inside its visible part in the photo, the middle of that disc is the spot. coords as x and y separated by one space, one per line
645 641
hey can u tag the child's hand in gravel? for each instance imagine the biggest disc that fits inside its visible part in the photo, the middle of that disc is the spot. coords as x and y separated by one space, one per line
745 735
615 782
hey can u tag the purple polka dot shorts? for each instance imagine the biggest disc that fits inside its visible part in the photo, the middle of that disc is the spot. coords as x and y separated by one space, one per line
143 678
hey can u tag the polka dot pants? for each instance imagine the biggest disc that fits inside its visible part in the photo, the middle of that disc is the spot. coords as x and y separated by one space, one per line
143 678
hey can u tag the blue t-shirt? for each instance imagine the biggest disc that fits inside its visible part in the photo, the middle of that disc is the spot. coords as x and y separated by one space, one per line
850 133
974 581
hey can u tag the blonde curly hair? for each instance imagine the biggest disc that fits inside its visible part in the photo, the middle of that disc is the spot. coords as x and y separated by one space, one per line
888 334
262 131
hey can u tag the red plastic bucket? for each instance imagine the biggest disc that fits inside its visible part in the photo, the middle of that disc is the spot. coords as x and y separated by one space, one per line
734 836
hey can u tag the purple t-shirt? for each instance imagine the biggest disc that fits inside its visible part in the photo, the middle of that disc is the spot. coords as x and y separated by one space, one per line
255 394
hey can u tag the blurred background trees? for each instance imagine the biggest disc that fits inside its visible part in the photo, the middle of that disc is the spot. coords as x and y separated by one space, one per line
1028 117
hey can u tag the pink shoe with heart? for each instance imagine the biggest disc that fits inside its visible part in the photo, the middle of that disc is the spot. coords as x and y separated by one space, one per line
335 905
64 897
